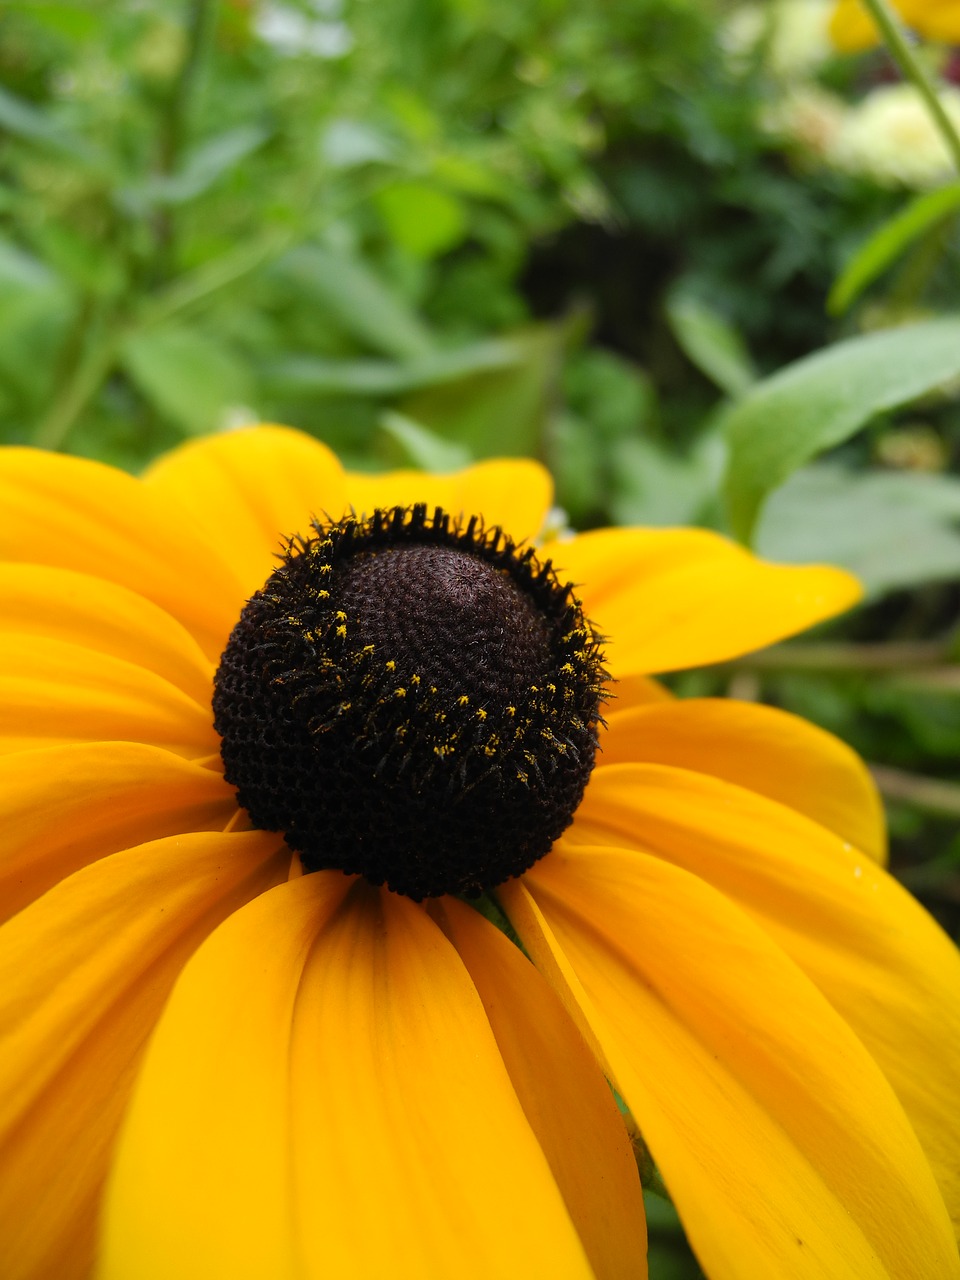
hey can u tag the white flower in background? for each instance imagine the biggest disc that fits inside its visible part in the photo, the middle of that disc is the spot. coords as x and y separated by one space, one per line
293 32
809 117
791 35
891 138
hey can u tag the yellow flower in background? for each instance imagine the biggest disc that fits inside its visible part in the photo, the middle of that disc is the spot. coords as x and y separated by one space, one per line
853 29
217 1065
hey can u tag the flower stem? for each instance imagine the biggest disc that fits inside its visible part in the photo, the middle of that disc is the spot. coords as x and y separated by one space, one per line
932 795
898 42
76 393
200 22
896 657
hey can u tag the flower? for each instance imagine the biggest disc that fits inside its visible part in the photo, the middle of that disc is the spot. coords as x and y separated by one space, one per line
243 1070
891 138
852 28
792 35
809 117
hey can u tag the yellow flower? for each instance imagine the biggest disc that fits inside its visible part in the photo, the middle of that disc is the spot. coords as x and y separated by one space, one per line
243 1070
852 28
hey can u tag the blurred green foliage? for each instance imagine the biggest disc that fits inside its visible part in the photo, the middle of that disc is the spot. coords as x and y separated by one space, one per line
601 234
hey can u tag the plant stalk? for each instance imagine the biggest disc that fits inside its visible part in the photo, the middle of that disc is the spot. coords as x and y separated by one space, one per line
933 795
898 42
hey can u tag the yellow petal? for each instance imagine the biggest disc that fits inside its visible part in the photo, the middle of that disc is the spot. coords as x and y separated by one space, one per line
77 514
250 490
54 692
765 750
84 973
37 600
876 955
784 1147
934 19
324 1097
63 807
674 598
635 691
564 1095
852 28
514 493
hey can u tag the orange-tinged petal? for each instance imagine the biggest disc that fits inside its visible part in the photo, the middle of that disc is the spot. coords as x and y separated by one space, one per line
37 600
514 493
876 955
54 692
781 1141
324 1097
64 807
673 598
77 514
84 973
564 1094
250 490
760 748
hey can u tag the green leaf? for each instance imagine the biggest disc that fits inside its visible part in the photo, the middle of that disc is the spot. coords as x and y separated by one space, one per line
423 448
500 411
651 486
203 166
32 124
613 394
317 376
348 144
711 343
366 308
91 265
190 377
421 218
21 270
196 287
576 462
888 242
824 399
893 529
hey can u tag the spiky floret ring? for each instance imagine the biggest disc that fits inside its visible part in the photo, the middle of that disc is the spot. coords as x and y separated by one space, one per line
414 699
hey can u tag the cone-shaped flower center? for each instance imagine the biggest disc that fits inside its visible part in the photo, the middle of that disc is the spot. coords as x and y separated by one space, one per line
413 700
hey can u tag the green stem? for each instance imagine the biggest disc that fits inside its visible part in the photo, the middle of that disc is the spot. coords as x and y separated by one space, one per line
933 795
76 392
200 24
898 42
897 656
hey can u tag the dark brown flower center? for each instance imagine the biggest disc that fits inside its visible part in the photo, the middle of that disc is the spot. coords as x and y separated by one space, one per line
411 699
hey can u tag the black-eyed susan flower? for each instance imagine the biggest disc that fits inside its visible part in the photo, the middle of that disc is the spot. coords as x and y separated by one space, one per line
254 1026
852 28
